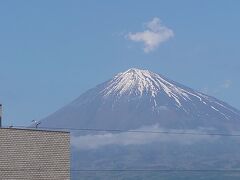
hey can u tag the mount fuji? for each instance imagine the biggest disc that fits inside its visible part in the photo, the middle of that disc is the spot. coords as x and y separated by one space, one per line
139 100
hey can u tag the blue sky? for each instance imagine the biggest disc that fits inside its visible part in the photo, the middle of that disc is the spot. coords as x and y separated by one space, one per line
52 51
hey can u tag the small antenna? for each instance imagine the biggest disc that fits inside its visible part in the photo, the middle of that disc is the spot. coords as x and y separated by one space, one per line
0 115
36 123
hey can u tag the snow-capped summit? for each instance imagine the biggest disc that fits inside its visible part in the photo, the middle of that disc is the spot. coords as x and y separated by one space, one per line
134 81
140 82
136 98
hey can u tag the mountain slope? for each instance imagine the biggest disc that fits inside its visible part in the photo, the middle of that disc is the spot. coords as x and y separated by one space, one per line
137 98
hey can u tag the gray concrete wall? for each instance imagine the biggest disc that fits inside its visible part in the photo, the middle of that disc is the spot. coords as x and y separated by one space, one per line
34 154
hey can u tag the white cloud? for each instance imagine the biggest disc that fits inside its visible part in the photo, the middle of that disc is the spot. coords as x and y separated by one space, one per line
86 142
153 36
227 84
205 90
220 88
